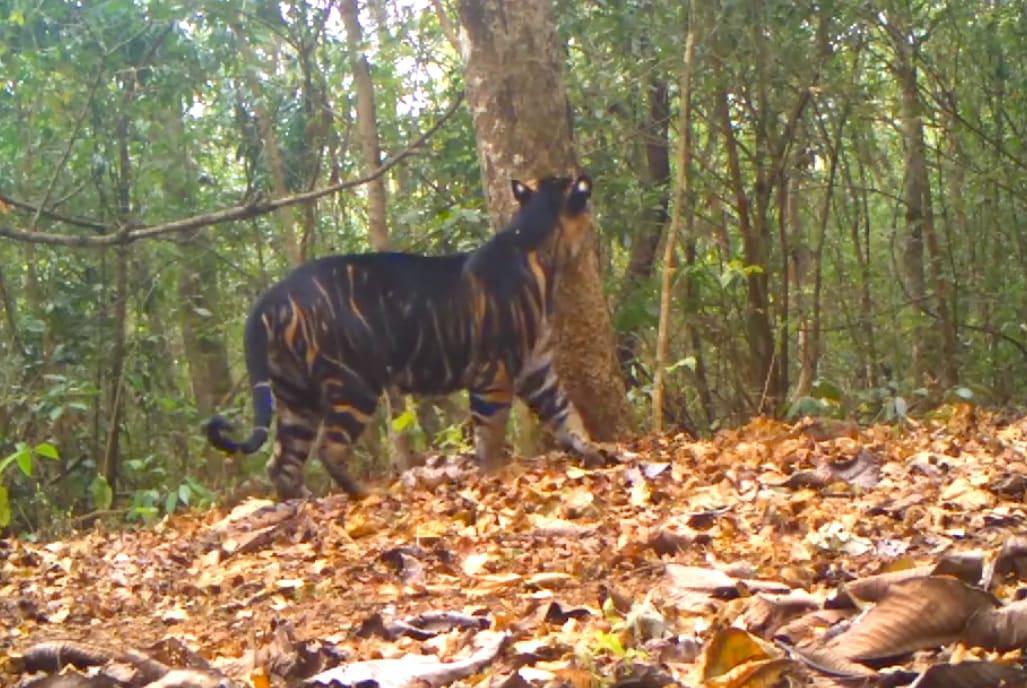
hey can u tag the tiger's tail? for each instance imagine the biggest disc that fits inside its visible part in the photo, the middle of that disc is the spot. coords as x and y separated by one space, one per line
255 338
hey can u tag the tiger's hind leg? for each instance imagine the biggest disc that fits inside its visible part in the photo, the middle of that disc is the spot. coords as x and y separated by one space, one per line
295 433
490 409
347 411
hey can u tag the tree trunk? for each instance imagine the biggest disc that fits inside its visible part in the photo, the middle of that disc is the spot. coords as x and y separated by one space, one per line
205 351
116 386
642 259
682 191
367 126
378 226
514 84
940 356
272 151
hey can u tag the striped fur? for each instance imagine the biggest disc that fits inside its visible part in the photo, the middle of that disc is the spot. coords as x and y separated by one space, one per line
325 342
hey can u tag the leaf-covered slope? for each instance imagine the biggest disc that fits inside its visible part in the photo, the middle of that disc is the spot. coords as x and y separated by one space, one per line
548 573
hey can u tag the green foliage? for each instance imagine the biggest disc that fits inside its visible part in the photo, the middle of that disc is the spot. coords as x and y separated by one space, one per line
24 457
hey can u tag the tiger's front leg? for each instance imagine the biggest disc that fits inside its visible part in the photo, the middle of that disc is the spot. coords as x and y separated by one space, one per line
541 390
490 410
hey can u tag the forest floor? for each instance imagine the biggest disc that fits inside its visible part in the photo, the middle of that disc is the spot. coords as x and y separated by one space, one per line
818 553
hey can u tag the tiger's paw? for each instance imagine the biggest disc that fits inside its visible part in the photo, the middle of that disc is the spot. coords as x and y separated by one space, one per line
598 455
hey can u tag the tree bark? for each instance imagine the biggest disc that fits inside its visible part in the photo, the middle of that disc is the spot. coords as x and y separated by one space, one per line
514 87
116 386
290 242
642 259
682 190
941 355
367 126
378 226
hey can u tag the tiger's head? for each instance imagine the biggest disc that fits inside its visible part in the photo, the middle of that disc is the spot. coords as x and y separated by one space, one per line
569 198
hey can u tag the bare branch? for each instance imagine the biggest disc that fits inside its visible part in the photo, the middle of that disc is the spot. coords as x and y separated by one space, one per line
447 26
128 235
28 207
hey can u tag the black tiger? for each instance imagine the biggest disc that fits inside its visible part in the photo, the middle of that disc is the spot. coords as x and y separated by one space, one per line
325 342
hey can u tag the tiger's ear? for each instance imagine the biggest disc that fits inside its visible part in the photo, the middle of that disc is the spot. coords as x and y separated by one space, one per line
579 194
521 192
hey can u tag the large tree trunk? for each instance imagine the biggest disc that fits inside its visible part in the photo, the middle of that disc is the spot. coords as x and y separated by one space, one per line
514 84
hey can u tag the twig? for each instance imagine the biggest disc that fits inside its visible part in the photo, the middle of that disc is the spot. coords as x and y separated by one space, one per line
79 121
22 205
239 212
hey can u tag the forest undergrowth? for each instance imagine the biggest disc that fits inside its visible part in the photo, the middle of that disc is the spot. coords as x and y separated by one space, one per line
814 553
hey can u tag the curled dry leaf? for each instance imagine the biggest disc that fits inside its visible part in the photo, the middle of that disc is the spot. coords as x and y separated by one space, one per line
730 648
914 614
1000 629
862 470
409 670
766 612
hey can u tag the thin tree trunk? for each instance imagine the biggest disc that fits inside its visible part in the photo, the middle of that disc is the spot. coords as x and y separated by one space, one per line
206 354
116 381
515 92
378 226
682 191
10 312
642 259
367 126
272 152
941 354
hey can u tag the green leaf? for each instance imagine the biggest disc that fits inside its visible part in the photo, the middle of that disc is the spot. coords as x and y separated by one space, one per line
825 389
184 493
103 495
610 642
47 451
170 502
24 459
901 407
403 420
5 508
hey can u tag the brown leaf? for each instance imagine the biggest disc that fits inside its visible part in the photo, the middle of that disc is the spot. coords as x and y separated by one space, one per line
730 648
766 673
1012 559
874 588
766 612
829 661
914 614
804 627
999 629
972 675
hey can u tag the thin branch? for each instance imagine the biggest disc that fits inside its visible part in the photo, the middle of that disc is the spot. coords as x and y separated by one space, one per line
28 207
128 235
446 25
79 121
9 310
